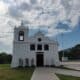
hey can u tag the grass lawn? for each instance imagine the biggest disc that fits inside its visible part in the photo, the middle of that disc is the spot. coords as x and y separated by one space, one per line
6 73
64 77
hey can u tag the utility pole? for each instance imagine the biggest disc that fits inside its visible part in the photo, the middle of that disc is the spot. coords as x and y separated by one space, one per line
63 56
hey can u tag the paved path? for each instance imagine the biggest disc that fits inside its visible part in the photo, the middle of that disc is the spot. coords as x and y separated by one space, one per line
44 74
66 72
49 73
73 65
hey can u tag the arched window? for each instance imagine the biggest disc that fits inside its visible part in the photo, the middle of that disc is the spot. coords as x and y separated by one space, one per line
32 47
21 35
26 62
20 62
46 47
39 47
32 62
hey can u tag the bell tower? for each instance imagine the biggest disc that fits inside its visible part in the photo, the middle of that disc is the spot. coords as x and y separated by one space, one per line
21 33
19 46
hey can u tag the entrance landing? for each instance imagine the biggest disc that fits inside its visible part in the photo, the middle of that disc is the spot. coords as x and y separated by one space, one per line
44 74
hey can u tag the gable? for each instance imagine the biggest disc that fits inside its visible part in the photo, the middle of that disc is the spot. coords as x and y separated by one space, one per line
39 37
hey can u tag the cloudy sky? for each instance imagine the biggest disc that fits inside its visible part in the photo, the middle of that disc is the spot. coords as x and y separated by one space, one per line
53 17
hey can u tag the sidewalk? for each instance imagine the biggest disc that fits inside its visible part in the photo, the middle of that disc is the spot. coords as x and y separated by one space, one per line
44 74
72 65
66 72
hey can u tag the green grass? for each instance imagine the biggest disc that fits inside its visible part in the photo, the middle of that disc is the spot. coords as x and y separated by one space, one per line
64 77
6 73
4 66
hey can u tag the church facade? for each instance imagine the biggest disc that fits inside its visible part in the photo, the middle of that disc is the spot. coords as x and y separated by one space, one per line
33 51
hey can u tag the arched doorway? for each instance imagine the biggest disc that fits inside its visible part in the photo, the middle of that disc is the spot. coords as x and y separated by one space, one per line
39 59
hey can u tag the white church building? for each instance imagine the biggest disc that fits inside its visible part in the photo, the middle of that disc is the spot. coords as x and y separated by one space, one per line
37 50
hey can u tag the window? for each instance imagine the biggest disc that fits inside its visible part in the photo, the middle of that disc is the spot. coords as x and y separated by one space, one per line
39 47
20 62
27 62
32 62
21 35
46 47
32 47
39 39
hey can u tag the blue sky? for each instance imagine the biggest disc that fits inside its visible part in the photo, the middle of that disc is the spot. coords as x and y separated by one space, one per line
52 17
70 39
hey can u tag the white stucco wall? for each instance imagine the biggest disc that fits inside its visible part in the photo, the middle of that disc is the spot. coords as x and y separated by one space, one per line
21 49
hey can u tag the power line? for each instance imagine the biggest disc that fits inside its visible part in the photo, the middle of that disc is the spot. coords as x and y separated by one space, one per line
3 36
6 32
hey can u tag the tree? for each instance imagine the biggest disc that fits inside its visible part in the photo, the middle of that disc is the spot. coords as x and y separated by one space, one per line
5 58
71 53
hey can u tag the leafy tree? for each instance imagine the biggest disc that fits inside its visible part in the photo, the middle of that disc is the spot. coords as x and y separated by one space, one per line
5 58
71 53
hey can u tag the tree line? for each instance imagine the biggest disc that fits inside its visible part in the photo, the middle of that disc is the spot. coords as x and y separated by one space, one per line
71 53
5 58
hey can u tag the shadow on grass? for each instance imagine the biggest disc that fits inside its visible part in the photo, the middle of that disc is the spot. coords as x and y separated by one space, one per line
65 77
7 73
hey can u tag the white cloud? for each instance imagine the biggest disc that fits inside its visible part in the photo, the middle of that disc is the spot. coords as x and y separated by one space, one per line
37 13
54 32
3 8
